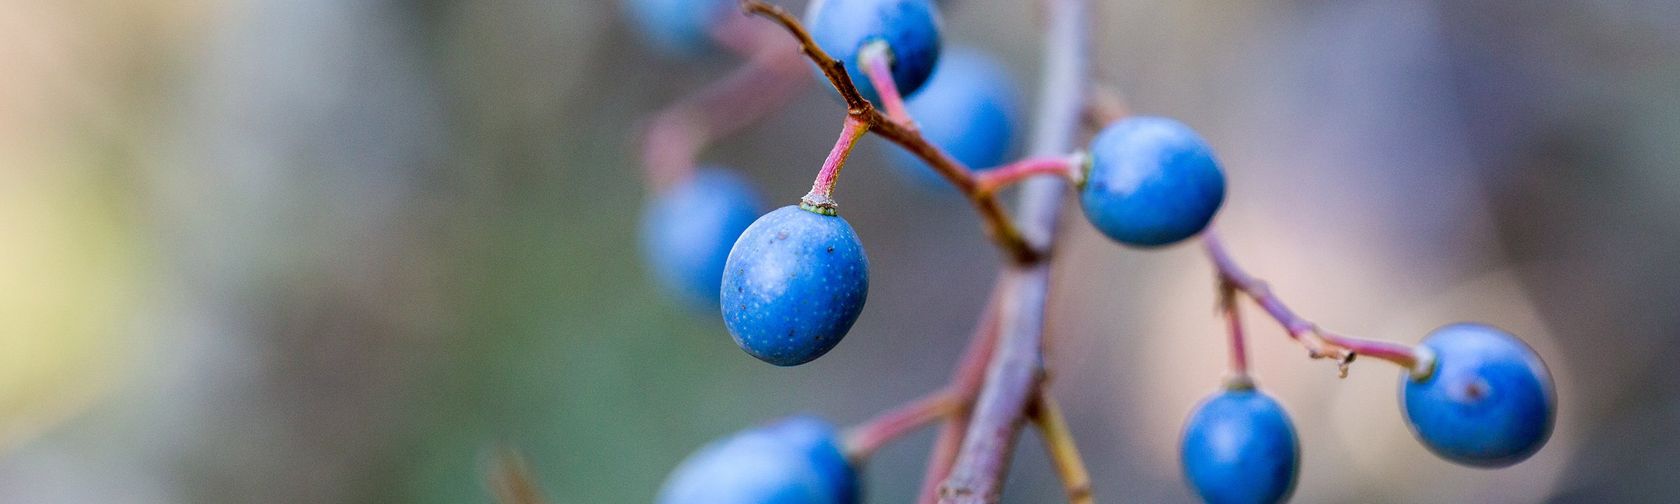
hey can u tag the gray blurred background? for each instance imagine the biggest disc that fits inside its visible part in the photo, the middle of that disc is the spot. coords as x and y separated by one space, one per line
342 250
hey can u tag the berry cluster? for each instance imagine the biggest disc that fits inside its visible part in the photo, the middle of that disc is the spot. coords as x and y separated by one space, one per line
791 282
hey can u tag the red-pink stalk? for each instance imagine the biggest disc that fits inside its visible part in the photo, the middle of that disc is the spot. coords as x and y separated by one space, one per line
1319 342
876 62
1233 321
1070 167
867 438
821 197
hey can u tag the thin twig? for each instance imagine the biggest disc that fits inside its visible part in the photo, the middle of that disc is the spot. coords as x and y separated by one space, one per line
865 439
1016 368
999 227
1234 328
1071 167
1064 453
1319 342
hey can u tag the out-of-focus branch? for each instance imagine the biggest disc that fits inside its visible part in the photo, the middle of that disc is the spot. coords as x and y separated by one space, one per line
676 135
1016 369
1064 453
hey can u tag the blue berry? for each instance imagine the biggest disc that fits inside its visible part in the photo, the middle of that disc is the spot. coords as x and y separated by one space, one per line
1239 447
909 27
969 108
1152 182
797 460
677 27
1487 402
687 232
794 284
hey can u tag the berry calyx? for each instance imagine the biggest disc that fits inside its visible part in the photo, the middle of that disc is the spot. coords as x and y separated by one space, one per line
1486 401
688 230
797 460
1153 182
1240 447
910 29
794 284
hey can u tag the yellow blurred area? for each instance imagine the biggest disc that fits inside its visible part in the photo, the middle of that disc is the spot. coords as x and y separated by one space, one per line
70 260
68 278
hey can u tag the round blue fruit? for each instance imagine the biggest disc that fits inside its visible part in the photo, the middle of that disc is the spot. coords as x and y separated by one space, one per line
1240 447
687 232
969 108
793 461
794 284
1487 402
677 27
1152 182
910 28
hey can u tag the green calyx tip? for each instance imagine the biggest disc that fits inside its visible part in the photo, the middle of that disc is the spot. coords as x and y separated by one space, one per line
1238 383
820 206
876 44
1082 169
1424 368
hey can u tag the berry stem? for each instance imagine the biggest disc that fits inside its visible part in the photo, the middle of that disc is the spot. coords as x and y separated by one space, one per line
1233 325
1070 167
865 439
999 227
1064 453
876 59
676 135
821 197
1319 342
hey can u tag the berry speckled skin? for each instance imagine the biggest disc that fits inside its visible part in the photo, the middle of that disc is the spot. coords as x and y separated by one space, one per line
1153 182
1489 401
1240 447
794 284
909 27
969 108
677 27
688 230
793 461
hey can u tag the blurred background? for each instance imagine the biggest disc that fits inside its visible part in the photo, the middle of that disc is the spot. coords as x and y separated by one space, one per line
342 250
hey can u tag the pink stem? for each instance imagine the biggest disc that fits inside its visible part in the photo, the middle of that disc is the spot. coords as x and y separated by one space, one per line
1344 348
990 181
821 197
867 438
875 65
1233 320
